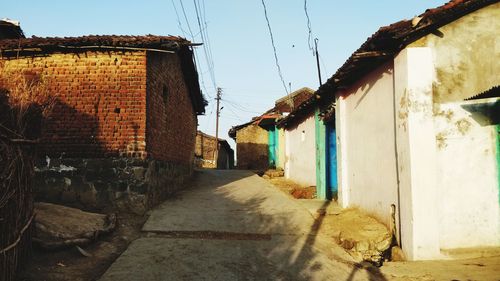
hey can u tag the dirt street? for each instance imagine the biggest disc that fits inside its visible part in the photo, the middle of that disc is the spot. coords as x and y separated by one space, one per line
233 225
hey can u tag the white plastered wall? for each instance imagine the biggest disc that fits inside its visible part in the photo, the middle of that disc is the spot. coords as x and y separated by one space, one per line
416 150
467 179
465 60
300 165
365 144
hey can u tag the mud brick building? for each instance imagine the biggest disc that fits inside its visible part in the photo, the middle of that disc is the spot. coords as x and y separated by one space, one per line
125 117
205 155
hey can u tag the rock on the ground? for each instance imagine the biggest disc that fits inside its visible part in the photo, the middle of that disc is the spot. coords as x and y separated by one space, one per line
59 226
362 236
397 254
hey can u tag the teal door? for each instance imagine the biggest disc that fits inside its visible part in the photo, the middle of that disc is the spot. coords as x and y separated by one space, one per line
331 162
273 146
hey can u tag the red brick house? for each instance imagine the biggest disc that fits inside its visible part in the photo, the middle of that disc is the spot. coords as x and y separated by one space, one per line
118 97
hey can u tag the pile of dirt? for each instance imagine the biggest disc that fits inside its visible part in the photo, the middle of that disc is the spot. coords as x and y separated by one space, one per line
364 238
273 173
59 226
293 189
304 192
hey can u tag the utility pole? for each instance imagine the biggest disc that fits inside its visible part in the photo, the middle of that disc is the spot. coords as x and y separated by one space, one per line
216 152
317 60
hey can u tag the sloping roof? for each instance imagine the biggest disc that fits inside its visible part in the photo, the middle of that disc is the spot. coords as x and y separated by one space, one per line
494 92
48 44
382 46
301 111
389 40
222 142
255 120
10 29
171 44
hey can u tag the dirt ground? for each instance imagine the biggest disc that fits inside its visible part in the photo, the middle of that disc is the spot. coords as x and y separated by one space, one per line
295 190
355 224
70 264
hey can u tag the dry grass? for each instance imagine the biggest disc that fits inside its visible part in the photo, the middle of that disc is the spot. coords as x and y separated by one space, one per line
24 102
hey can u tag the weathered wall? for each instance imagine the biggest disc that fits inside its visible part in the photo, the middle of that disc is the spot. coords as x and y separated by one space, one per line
171 120
252 148
366 145
281 149
225 158
300 163
469 212
464 68
466 55
101 102
446 163
466 64
416 153
204 151
126 184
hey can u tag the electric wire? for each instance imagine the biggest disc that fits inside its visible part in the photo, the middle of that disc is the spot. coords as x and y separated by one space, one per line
240 107
186 19
309 29
204 39
178 19
274 47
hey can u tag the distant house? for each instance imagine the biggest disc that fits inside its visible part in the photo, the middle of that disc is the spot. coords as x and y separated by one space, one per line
300 142
417 110
205 152
259 143
125 115
311 146
252 143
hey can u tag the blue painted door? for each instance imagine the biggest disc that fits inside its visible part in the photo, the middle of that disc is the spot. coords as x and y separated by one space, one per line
332 181
273 147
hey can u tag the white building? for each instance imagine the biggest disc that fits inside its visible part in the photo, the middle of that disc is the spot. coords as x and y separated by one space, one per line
408 137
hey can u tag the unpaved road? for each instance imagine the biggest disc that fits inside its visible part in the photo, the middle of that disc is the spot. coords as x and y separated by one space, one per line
232 225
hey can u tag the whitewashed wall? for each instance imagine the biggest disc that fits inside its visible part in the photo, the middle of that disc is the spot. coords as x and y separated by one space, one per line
366 146
300 165
467 182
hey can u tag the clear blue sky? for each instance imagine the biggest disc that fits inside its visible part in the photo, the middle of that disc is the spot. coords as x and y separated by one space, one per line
241 49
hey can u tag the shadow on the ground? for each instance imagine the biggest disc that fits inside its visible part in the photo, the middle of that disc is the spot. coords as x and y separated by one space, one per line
235 226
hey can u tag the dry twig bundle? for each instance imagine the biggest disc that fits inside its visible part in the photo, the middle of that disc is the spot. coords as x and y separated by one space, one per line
24 102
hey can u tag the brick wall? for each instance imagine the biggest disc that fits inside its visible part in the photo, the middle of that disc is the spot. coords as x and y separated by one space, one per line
171 120
101 102
204 150
252 148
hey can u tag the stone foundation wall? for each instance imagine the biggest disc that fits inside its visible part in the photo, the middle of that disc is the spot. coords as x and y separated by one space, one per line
126 184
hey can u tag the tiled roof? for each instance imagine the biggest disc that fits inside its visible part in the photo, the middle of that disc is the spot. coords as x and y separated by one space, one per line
168 43
389 40
382 46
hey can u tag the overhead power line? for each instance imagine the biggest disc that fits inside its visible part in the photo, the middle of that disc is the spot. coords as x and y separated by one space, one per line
274 48
206 48
309 29
187 21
